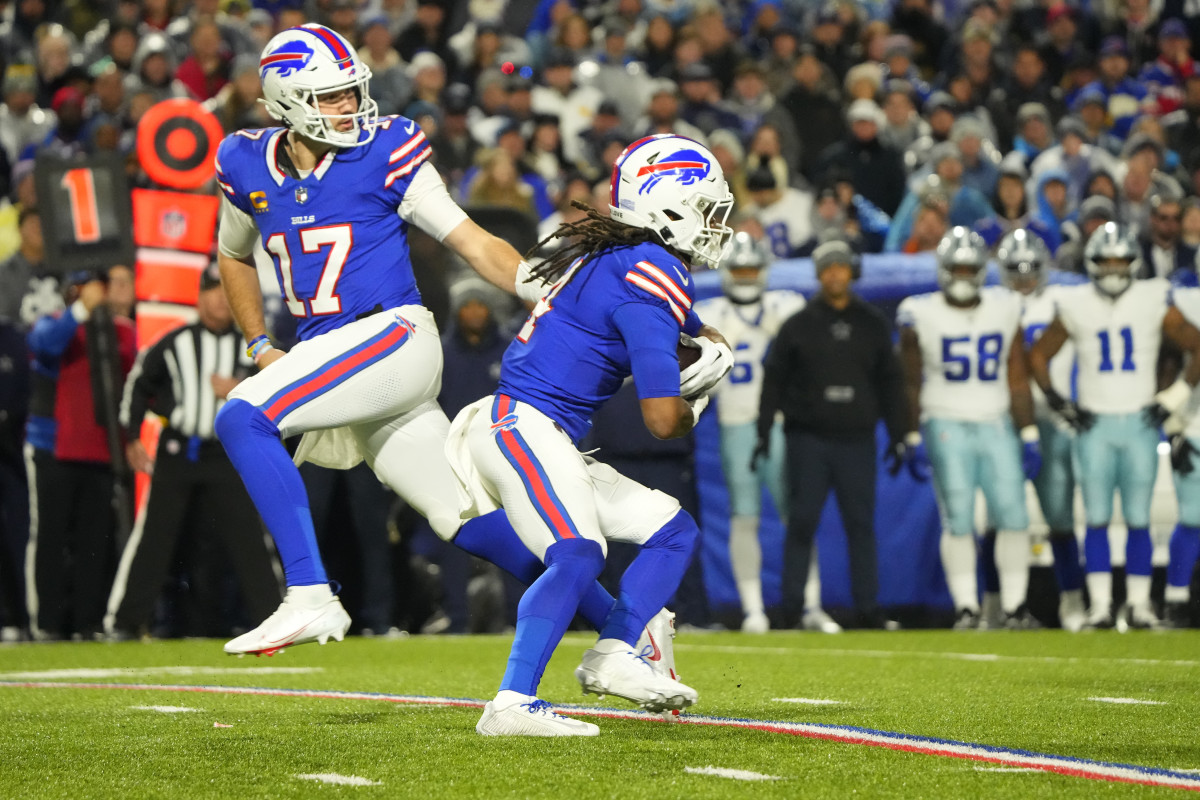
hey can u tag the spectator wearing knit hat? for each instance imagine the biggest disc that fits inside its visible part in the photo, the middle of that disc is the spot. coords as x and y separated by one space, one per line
876 170
898 65
1126 98
1093 213
902 125
22 121
1164 77
1074 155
1034 132
979 155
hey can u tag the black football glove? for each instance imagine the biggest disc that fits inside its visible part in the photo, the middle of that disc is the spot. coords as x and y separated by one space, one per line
761 451
1078 418
1182 451
1155 415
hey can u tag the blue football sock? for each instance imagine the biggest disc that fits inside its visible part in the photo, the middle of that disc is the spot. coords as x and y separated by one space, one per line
1185 549
1067 568
546 609
1096 555
1138 550
492 538
652 578
989 577
274 484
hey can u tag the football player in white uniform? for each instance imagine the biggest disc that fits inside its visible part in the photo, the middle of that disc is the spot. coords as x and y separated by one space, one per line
1024 261
749 317
1184 432
1117 325
969 384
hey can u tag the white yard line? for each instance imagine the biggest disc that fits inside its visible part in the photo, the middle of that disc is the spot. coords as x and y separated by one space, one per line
1008 769
341 780
806 701
133 672
736 774
1127 701
166 709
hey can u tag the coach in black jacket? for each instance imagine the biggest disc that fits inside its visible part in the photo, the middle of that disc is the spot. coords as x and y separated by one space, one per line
195 490
833 373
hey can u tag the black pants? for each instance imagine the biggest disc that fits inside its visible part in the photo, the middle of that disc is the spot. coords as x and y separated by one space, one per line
14 535
72 532
205 500
814 466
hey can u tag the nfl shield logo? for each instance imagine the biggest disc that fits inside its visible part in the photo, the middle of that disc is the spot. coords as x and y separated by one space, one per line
302 195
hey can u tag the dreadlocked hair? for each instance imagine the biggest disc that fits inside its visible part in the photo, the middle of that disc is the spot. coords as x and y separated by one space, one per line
594 234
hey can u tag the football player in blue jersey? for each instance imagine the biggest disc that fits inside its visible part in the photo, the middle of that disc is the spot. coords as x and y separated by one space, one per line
330 196
619 298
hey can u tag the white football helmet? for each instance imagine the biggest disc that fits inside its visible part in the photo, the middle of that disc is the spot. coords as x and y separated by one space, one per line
961 247
745 254
674 187
301 63
1023 258
1108 246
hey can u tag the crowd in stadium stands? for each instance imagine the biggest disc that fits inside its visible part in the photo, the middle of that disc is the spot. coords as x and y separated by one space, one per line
886 122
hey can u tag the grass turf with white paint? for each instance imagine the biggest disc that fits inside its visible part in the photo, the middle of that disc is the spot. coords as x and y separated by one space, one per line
1028 691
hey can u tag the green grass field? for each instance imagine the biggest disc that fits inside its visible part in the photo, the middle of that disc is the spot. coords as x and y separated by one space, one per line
1027 691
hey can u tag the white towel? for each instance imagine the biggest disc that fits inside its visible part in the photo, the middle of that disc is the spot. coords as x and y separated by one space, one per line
474 499
334 448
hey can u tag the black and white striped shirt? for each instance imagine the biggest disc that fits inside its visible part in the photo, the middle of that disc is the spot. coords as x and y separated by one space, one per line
173 379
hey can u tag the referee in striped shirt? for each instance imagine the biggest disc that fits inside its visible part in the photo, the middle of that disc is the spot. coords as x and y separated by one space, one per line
184 379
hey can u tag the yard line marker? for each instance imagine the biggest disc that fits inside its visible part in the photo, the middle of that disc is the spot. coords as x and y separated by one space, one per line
808 701
736 774
1127 701
341 780
166 709
847 734
133 672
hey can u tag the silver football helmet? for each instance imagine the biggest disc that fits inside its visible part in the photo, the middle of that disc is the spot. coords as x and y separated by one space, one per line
301 64
745 254
1112 258
1024 259
961 248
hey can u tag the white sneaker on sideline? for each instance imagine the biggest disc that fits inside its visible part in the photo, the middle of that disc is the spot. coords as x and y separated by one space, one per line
815 619
756 623
657 644
627 675
294 622
530 719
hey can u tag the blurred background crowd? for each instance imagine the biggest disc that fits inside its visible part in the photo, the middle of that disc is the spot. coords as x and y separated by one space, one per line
884 122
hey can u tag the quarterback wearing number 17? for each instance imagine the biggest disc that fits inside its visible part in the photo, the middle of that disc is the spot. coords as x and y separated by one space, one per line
330 195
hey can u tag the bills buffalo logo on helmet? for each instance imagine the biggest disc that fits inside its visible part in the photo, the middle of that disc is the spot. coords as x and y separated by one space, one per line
290 57
685 166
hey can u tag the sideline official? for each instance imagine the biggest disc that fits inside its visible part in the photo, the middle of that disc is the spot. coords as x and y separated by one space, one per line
184 378
833 373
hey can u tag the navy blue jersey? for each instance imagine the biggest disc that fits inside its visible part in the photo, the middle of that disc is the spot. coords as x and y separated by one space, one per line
618 315
337 242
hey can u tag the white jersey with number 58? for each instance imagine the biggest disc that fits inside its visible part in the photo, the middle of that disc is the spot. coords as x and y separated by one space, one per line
749 329
964 353
1117 342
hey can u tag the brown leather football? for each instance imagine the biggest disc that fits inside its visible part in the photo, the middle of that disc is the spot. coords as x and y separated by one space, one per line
687 355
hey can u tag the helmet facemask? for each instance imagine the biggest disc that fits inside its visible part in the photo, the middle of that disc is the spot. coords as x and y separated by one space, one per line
306 119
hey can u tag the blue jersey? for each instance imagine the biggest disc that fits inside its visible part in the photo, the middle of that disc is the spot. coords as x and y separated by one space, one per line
620 314
338 245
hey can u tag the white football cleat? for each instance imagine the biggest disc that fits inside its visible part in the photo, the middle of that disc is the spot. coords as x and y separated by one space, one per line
1072 614
296 621
657 644
756 623
815 619
535 718
625 674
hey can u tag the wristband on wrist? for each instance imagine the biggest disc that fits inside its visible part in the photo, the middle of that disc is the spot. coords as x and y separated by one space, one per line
257 346
1029 434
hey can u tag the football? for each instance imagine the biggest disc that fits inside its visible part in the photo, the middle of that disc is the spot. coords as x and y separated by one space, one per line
687 354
